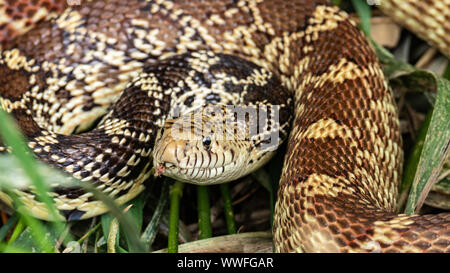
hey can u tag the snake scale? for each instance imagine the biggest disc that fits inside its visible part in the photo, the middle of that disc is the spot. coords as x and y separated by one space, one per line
343 163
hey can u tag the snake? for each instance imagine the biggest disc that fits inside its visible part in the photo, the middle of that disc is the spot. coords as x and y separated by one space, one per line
132 70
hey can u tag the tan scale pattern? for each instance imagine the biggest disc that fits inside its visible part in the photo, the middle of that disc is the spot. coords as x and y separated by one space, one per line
429 19
339 181
19 16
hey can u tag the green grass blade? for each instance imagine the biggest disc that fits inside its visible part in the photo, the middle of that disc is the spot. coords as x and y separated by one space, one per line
204 213
4 248
12 137
89 233
176 191
446 74
18 229
149 234
228 208
52 175
435 148
436 143
117 212
364 11
135 214
105 221
413 161
37 230
113 236
336 2
27 240
7 227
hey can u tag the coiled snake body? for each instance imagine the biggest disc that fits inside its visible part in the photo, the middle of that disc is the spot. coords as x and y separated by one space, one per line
343 163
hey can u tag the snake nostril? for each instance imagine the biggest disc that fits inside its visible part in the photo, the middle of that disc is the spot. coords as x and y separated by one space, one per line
169 154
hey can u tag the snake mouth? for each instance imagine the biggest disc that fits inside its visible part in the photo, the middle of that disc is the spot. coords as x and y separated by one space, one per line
194 175
163 167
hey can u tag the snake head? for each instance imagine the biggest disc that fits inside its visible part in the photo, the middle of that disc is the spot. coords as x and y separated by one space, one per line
207 146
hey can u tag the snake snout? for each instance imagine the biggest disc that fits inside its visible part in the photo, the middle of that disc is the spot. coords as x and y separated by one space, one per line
169 155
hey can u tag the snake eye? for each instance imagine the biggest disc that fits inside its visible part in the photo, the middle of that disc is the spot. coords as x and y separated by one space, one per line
207 141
